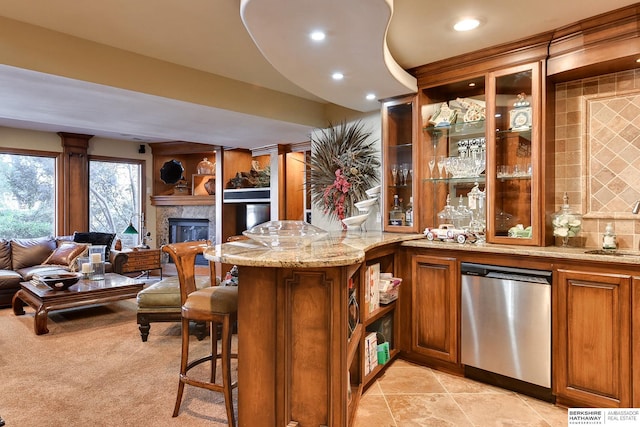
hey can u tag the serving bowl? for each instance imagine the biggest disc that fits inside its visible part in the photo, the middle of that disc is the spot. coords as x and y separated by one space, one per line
373 191
365 205
284 234
59 281
355 222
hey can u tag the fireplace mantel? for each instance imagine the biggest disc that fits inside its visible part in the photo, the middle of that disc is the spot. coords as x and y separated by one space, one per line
182 200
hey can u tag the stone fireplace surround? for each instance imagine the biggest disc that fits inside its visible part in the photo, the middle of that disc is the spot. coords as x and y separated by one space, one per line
163 213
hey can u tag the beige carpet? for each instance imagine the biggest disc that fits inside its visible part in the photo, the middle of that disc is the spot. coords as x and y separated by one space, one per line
92 369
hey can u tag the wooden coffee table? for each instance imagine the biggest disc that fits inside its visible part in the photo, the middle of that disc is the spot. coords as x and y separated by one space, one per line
43 299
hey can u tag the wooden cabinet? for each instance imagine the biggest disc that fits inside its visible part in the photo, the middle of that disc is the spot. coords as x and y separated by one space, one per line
478 119
400 176
434 298
592 325
189 155
306 328
635 340
485 131
383 319
514 160
142 260
463 143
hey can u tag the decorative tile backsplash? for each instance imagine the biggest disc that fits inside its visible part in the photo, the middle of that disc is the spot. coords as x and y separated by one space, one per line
598 154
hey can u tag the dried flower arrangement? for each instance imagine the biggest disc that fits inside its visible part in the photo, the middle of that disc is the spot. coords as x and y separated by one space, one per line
343 165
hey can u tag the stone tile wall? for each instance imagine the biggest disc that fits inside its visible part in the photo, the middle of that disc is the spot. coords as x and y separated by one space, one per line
597 149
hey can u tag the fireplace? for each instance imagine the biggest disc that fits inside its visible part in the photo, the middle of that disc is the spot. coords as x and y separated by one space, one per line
189 230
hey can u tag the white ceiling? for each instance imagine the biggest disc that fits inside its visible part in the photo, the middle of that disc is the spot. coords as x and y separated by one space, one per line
209 35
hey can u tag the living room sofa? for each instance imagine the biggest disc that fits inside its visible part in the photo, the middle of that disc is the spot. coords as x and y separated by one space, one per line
20 259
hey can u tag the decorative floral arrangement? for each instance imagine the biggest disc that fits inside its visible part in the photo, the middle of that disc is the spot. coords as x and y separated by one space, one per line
344 164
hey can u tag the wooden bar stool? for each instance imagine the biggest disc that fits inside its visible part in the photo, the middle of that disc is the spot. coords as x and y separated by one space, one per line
217 305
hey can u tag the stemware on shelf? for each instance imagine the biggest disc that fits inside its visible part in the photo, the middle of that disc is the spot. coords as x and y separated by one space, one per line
405 173
394 174
432 163
442 160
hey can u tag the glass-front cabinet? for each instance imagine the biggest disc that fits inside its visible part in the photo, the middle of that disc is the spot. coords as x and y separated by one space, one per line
480 158
399 174
453 156
514 157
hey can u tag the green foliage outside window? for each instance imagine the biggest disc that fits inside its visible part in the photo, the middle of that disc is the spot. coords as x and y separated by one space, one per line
27 196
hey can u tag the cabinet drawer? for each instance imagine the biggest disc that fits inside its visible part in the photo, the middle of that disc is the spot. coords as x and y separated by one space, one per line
142 260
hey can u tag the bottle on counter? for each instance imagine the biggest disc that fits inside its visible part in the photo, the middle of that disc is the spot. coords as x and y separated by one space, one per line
396 215
408 214
609 238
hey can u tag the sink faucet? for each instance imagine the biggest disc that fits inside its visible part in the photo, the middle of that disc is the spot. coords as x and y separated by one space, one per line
636 207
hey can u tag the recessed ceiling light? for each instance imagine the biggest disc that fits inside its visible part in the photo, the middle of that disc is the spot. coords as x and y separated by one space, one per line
317 36
466 24
371 96
638 60
337 76
472 84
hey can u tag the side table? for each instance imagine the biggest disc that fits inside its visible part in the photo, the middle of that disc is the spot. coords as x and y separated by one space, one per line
143 261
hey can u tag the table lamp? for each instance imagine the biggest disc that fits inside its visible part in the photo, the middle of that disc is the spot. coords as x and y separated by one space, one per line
130 236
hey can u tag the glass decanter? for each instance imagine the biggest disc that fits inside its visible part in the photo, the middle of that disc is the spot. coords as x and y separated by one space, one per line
566 223
446 215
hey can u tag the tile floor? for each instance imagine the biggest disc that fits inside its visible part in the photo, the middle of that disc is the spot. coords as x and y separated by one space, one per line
412 395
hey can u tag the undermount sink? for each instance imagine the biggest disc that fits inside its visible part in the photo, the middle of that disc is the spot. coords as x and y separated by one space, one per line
610 252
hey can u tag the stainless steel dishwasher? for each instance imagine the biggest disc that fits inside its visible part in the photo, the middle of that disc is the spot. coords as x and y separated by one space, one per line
506 327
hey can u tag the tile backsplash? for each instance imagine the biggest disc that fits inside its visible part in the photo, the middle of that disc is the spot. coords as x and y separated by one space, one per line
597 154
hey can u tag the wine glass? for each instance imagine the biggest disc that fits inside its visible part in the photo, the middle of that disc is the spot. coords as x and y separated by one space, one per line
441 166
405 173
432 163
394 173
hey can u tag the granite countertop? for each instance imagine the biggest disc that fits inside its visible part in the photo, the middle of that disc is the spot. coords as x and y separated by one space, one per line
337 249
580 254
347 248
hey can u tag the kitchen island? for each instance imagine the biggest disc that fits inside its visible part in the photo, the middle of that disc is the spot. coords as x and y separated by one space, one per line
294 347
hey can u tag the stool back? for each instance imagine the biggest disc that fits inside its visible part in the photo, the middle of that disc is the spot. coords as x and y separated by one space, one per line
184 255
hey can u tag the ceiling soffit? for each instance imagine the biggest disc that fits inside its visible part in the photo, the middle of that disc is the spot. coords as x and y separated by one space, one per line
355 45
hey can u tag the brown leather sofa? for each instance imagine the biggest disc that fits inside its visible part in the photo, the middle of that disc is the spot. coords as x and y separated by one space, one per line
20 259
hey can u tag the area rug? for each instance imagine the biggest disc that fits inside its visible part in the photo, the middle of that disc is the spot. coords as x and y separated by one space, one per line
92 368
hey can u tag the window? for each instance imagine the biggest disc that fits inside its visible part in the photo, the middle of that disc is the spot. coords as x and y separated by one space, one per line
115 195
27 194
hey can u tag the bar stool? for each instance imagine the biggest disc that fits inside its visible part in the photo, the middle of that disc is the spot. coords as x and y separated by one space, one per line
217 305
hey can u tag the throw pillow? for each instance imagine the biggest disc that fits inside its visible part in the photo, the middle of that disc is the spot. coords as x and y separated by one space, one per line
66 254
96 238
30 252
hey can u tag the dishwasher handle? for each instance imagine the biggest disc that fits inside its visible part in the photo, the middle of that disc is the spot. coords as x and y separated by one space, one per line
502 272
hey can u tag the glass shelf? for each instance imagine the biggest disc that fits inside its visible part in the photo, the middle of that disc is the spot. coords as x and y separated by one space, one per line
479 179
457 129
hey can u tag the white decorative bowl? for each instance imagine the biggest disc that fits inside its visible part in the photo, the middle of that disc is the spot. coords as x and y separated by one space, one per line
365 205
373 191
355 222
283 235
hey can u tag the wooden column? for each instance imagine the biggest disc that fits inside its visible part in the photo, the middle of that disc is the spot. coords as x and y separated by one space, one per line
74 184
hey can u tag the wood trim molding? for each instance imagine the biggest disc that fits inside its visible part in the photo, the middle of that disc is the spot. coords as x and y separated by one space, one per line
480 62
602 44
73 206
